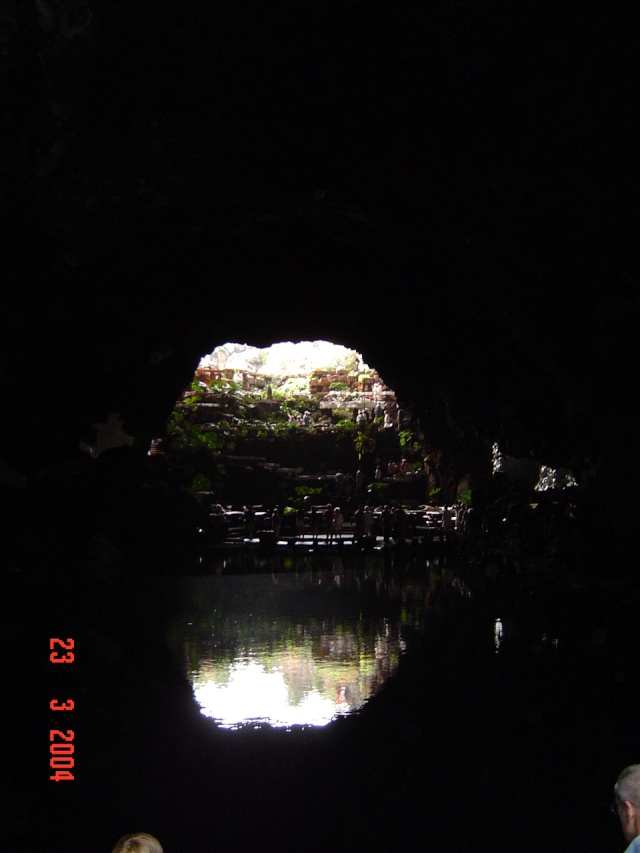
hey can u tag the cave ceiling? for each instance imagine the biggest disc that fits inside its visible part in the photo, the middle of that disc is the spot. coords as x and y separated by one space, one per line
444 189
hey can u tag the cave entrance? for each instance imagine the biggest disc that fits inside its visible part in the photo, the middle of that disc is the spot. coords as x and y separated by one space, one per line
276 424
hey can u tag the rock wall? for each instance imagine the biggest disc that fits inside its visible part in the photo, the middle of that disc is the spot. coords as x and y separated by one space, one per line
454 206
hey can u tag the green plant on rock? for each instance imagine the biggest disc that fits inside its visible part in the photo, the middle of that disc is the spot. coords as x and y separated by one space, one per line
363 443
200 483
302 403
352 362
409 440
294 386
303 491
435 492
405 437
378 489
342 414
224 385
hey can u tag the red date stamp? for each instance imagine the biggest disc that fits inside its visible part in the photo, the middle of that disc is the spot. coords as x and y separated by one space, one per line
61 744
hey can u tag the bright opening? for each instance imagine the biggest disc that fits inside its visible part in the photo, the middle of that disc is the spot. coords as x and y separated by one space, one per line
270 425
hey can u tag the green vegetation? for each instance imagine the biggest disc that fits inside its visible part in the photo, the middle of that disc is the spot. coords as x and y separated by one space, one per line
220 418
292 387
352 363
379 489
221 385
200 483
434 493
409 440
300 404
363 443
303 491
342 415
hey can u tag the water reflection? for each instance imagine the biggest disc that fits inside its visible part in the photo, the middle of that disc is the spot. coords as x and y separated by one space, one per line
297 648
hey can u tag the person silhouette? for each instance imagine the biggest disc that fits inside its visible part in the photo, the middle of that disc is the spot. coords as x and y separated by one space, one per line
338 521
327 517
626 805
139 842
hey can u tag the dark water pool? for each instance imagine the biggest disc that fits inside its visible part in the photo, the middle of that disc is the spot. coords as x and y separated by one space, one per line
300 648
331 705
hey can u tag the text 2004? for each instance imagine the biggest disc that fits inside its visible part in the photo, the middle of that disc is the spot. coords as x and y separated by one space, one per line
61 744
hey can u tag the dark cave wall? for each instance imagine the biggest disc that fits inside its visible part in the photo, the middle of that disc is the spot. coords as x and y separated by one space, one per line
444 190
115 340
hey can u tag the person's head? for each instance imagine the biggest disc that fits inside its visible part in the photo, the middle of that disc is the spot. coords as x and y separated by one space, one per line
139 842
627 801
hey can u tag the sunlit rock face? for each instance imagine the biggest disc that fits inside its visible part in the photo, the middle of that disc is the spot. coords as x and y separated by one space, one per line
285 358
258 423
334 373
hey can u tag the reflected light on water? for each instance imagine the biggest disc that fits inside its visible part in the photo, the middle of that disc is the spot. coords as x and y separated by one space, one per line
301 652
255 695
309 682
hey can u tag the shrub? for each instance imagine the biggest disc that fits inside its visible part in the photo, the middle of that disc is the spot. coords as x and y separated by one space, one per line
342 415
302 491
200 483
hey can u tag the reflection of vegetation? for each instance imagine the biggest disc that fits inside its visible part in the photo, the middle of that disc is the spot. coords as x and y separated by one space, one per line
329 663
325 637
